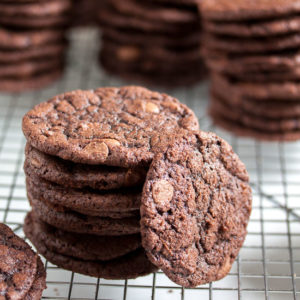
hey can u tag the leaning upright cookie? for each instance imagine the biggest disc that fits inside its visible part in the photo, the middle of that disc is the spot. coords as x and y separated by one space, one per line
22 274
195 208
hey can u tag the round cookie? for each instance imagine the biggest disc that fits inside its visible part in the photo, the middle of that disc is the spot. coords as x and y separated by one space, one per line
14 40
18 265
37 82
39 284
128 266
226 10
240 45
243 131
79 223
111 126
69 174
241 64
154 12
34 53
257 29
35 9
29 68
286 90
237 114
260 108
195 208
84 199
82 246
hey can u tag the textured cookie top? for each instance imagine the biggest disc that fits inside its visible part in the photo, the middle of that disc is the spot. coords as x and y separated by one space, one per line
240 9
195 209
112 126
18 265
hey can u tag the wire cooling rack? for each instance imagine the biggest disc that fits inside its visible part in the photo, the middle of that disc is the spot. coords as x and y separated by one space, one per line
268 266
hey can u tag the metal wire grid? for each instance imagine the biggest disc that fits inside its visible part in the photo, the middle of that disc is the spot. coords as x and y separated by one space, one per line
268 266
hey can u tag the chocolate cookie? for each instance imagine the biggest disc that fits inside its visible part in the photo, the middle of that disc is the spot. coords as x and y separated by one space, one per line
237 114
240 64
287 90
83 199
34 53
13 40
251 45
69 174
36 82
29 68
82 246
256 29
128 266
18 265
195 208
155 12
241 130
39 284
264 109
79 223
112 126
226 10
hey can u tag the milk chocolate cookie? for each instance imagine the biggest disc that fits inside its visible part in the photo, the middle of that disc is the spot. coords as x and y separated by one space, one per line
69 174
18 265
112 126
128 266
195 208
79 223
226 10
82 246
83 199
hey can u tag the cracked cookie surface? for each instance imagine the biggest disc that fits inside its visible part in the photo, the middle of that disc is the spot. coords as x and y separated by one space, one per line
111 126
195 208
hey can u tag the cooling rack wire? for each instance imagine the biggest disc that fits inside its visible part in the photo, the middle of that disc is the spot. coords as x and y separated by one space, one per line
268 266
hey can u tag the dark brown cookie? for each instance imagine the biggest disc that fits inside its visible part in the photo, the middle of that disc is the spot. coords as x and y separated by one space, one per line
226 10
82 246
13 40
256 29
247 119
37 82
69 174
249 132
79 223
112 126
264 109
240 45
39 284
128 266
34 53
195 208
155 12
29 68
84 199
18 265
287 90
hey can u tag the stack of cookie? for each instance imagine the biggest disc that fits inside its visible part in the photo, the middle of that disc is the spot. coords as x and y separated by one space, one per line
22 273
86 161
252 50
32 42
157 42
84 12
